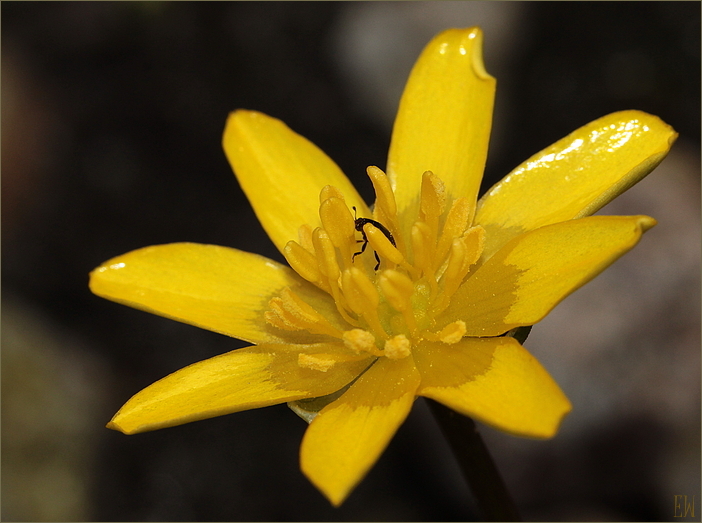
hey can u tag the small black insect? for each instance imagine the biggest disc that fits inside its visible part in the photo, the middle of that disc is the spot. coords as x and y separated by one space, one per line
359 223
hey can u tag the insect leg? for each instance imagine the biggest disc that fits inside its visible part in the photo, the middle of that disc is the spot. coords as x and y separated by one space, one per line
363 247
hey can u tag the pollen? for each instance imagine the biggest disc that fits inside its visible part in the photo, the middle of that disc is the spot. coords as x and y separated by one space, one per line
453 332
359 340
397 347
388 291
320 362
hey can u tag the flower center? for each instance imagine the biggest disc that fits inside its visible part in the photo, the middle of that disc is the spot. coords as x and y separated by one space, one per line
388 299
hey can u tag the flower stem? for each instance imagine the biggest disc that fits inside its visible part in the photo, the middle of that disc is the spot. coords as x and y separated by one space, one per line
476 464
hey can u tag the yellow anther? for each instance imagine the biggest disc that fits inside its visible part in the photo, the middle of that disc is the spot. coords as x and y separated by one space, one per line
384 196
339 224
320 362
329 191
465 251
474 238
359 340
276 316
454 226
421 247
456 263
456 270
326 255
290 312
397 347
363 298
397 289
304 233
453 332
381 244
359 291
304 263
432 197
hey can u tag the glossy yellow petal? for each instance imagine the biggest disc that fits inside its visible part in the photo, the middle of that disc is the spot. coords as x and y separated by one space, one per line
282 174
494 380
216 288
242 379
574 177
344 441
530 275
443 122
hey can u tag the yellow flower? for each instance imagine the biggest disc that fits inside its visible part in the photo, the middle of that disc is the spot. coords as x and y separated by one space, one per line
454 273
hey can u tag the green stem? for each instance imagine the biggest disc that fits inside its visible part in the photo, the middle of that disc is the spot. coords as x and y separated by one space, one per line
476 464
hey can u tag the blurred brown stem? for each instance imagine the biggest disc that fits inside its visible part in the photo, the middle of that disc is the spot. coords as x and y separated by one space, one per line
476 464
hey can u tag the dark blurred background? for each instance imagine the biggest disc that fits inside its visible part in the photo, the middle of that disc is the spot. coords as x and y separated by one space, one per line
112 115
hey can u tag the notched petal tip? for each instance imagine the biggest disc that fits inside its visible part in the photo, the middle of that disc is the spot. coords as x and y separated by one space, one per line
445 110
467 42
478 63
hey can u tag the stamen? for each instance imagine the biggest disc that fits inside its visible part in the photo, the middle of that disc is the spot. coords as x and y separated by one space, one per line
474 238
457 262
359 341
421 248
329 191
465 251
339 225
304 233
382 245
326 255
304 263
397 289
324 361
291 311
397 347
432 201
320 362
360 292
441 260
453 332
456 222
385 208
276 316
363 298
384 196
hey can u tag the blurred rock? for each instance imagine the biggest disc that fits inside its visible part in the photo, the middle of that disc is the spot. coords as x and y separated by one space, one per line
52 391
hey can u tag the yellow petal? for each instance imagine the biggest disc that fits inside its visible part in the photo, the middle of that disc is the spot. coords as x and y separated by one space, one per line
217 288
282 174
443 122
242 379
574 177
494 380
530 275
347 437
